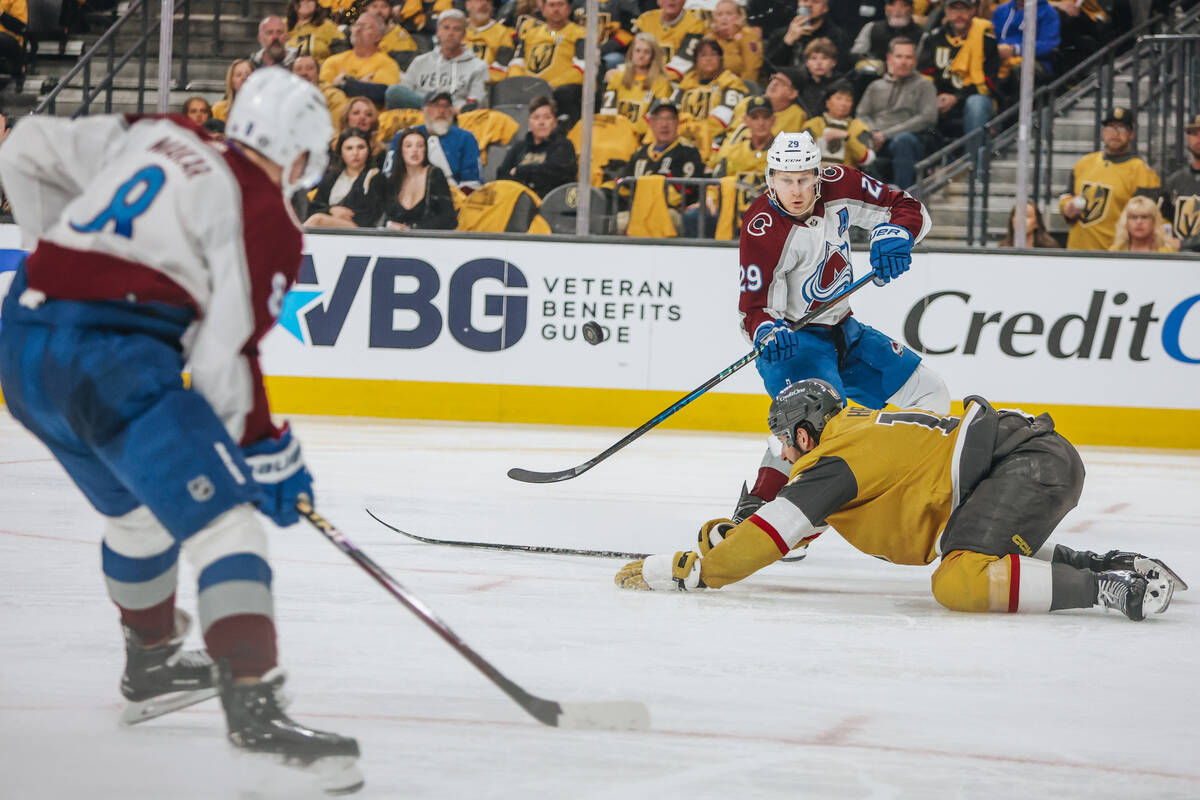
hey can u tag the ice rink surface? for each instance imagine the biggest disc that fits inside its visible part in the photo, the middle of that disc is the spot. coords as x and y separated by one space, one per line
838 677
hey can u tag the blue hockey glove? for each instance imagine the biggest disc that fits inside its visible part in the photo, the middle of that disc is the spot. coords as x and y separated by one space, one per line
278 468
782 347
891 252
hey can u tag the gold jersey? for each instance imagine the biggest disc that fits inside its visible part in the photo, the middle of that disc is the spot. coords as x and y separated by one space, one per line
632 102
1106 184
706 107
492 44
677 40
853 151
554 56
313 40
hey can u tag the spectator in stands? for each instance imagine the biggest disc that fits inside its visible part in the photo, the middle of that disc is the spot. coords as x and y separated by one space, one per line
450 148
842 139
553 51
1102 183
418 195
351 193
747 156
489 39
306 67
820 60
272 43
616 28
900 109
1142 229
634 87
1036 234
397 42
361 113
869 50
1007 20
852 17
1183 192
1084 25
785 47
961 57
343 12
14 16
197 110
742 44
544 159
310 31
678 32
782 95
707 97
363 69
449 67
667 155
235 76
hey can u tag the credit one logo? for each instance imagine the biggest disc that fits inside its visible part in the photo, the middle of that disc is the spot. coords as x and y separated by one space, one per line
409 284
1104 330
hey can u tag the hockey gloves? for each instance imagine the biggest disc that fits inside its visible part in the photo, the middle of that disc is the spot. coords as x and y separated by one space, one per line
278 468
662 572
783 344
891 252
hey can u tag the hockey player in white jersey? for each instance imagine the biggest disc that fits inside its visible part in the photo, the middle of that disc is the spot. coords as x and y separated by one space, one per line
795 257
156 249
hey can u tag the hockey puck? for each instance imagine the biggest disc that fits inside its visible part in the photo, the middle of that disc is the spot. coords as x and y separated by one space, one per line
593 333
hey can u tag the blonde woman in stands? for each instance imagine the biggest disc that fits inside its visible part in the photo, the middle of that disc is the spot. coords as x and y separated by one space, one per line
361 113
1142 229
635 86
742 44
310 31
351 194
235 76
1036 234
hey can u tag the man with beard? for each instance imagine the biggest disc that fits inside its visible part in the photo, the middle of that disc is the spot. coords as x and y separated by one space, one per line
452 149
272 41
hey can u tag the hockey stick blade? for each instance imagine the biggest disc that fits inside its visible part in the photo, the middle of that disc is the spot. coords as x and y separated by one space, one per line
520 548
615 715
533 476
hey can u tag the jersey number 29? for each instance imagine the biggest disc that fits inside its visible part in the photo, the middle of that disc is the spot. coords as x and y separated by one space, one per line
750 278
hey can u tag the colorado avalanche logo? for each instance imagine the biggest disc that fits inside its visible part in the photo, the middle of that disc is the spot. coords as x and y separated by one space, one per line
831 277
759 224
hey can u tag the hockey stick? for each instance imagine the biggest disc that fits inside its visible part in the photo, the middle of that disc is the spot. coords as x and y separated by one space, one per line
532 476
524 548
615 715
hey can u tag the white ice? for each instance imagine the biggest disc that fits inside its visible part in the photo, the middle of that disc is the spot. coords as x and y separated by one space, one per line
835 677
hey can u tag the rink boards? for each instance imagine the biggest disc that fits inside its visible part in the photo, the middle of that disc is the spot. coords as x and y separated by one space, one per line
489 330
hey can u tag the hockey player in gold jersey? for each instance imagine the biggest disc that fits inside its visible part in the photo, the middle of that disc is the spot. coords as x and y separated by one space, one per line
982 492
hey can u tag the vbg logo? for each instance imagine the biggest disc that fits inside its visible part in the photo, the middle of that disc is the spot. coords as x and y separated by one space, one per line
319 322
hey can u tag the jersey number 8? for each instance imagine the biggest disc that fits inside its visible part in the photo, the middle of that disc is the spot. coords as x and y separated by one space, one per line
750 278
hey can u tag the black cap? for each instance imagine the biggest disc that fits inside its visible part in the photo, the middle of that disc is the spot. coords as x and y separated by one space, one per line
438 94
759 103
794 75
968 3
1120 115
663 102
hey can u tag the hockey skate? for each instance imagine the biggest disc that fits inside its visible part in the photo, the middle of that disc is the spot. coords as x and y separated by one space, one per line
1132 594
1149 568
257 724
166 678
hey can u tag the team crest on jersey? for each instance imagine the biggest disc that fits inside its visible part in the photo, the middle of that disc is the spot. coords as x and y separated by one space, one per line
1097 196
832 173
540 57
831 277
758 225
1187 216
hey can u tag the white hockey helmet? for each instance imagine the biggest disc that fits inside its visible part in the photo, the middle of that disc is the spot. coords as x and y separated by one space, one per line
793 152
283 116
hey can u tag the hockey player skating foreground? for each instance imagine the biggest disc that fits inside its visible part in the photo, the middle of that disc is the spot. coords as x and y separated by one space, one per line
155 248
982 493
795 256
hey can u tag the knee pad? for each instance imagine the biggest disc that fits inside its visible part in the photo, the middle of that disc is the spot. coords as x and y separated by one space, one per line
925 390
968 581
230 559
139 559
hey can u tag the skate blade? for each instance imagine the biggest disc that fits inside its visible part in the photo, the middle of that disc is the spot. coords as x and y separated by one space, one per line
142 710
1152 568
798 554
337 775
1158 596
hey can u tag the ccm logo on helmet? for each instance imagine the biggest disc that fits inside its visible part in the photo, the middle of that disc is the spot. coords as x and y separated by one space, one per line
759 224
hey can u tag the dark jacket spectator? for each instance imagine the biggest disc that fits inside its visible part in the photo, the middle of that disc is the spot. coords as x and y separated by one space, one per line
872 41
418 196
785 47
352 192
544 159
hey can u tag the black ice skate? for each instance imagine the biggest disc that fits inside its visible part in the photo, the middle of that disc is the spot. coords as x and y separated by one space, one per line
1132 594
164 678
257 724
1149 568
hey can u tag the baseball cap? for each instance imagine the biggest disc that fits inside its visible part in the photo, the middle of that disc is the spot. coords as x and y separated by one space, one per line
968 3
1194 125
438 94
758 103
793 75
452 13
1121 115
663 102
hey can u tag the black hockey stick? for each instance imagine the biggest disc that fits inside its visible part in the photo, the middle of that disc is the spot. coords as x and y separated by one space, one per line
524 548
614 715
532 476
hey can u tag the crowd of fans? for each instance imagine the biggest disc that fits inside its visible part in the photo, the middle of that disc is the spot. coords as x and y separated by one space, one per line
420 97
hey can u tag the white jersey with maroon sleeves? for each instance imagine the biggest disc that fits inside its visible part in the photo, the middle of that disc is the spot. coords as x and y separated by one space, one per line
151 210
789 268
